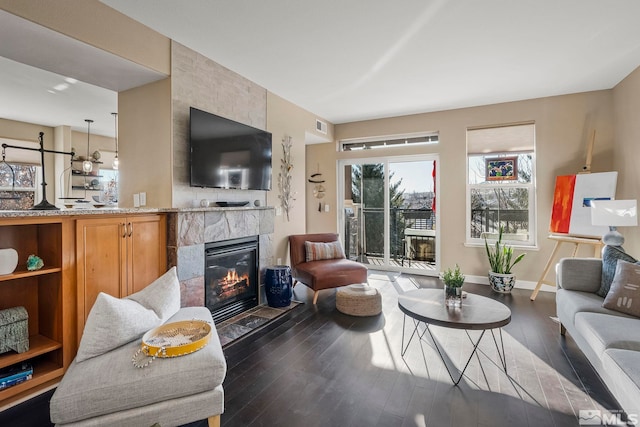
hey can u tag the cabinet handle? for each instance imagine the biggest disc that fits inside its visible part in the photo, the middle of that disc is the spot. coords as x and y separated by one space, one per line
130 229
124 230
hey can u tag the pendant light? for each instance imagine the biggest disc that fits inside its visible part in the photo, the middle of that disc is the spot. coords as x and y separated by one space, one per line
87 166
116 162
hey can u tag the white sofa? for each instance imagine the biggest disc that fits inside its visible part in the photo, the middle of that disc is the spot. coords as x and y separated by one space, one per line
609 339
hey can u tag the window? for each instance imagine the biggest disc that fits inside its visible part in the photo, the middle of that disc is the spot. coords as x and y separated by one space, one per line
388 142
20 175
18 193
501 184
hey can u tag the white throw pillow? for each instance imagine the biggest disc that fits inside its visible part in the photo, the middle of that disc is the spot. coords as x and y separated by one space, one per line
162 296
113 322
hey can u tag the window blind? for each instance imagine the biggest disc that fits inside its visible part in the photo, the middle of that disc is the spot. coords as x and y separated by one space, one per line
25 157
513 138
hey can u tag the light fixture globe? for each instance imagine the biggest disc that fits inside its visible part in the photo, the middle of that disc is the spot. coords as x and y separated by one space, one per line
116 162
87 165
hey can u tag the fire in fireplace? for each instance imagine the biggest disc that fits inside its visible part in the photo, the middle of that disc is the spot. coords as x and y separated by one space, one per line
231 277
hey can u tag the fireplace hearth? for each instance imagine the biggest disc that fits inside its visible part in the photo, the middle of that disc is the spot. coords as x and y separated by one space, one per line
231 277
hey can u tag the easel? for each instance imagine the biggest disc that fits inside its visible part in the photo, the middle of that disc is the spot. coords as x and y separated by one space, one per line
564 238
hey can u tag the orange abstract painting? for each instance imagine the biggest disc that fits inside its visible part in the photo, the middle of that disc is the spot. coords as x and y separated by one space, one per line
562 203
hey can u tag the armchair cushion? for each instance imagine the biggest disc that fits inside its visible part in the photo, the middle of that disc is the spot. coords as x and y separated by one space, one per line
317 251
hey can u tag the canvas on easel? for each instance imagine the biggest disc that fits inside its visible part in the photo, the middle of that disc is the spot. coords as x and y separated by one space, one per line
572 198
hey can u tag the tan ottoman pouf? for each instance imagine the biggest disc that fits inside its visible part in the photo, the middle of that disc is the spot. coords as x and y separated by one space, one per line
359 300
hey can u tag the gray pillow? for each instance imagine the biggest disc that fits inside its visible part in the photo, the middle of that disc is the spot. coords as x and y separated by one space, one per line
610 257
113 322
624 295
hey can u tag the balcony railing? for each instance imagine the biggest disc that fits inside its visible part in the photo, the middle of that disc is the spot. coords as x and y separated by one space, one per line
365 231
409 229
490 220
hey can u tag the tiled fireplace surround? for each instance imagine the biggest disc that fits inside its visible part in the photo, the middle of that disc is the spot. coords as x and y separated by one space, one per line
190 229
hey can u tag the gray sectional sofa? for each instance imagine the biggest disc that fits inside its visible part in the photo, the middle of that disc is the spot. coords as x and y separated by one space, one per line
609 339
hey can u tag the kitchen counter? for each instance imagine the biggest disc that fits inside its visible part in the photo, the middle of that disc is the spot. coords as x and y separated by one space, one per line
119 211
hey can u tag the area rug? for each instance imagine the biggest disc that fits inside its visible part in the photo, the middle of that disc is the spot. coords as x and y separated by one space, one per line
250 321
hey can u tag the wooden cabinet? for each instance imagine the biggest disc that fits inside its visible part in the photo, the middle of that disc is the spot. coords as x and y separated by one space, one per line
83 255
45 294
117 255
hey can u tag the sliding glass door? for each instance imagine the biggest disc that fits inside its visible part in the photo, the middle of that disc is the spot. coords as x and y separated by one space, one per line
388 213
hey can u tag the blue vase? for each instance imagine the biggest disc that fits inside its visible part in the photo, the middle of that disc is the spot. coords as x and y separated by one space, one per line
278 286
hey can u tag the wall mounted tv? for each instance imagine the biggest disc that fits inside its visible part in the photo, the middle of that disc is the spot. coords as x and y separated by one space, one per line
228 154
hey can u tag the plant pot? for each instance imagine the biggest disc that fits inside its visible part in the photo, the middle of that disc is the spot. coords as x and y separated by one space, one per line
502 283
453 296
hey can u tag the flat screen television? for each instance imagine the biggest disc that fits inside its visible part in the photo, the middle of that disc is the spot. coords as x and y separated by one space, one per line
228 154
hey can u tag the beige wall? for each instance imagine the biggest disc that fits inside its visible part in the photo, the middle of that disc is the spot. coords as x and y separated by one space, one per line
144 144
199 82
99 25
285 118
563 124
322 158
626 105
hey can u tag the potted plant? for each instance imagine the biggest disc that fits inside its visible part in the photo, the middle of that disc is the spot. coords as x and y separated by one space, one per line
502 261
453 281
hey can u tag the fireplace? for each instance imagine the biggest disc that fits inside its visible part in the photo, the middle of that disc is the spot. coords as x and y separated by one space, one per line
231 277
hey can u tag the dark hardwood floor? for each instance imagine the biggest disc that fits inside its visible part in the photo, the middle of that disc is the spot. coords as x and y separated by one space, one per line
318 367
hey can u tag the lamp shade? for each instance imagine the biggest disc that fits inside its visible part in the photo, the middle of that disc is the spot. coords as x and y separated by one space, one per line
614 213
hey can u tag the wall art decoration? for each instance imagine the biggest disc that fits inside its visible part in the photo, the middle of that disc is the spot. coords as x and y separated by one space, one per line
284 177
571 212
501 168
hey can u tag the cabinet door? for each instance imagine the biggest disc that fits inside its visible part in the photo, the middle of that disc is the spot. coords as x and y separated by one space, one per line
146 250
100 257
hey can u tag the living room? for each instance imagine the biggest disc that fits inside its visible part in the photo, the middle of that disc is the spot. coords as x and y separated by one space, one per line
563 126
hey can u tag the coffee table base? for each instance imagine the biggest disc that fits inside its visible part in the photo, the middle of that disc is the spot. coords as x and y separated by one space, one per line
502 356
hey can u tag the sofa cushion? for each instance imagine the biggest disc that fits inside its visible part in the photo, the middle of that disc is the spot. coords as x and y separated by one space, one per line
623 369
316 251
110 383
113 322
604 331
624 294
570 303
579 274
610 257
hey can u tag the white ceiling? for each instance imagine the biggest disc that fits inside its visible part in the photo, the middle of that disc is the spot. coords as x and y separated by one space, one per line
342 60
80 82
347 60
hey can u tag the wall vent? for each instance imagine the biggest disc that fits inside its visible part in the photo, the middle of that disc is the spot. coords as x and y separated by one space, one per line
321 126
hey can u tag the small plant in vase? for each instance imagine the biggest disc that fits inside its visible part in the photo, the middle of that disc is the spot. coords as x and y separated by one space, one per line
453 281
501 261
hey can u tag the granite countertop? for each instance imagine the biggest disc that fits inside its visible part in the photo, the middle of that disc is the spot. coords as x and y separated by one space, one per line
117 211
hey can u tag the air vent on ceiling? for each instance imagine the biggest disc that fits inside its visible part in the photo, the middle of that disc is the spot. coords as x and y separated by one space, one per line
321 126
